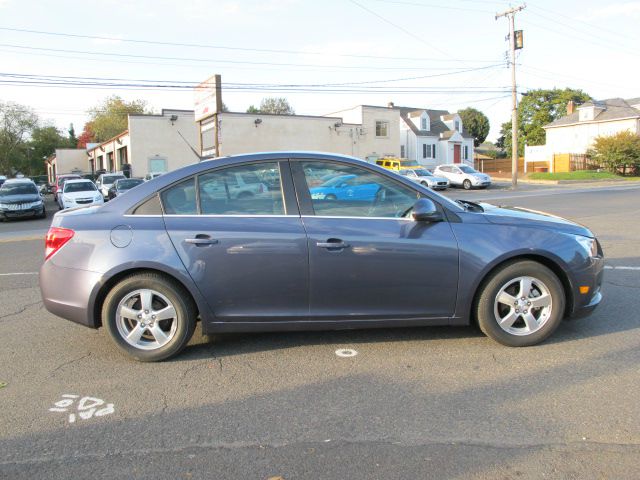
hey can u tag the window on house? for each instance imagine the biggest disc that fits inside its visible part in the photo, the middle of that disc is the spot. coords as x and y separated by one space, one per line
465 152
423 123
382 128
402 155
433 151
457 124
424 150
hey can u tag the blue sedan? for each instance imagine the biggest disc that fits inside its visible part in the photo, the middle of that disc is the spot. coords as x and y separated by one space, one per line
148 265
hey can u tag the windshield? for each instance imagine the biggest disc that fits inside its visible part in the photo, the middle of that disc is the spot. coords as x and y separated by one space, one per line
109 179
423 172
79 187
127 184
61 180
467 169
18 189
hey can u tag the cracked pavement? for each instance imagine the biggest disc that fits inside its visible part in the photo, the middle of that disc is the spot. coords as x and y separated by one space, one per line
414 403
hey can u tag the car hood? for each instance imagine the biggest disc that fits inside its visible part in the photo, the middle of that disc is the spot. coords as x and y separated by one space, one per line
434 179
481 176
30 197
505 215
82 194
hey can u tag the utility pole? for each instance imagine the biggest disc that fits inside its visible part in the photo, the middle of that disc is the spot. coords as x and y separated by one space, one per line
510 14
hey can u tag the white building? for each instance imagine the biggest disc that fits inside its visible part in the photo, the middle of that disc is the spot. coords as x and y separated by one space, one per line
434 137
152 143
575 132
365 132
66 160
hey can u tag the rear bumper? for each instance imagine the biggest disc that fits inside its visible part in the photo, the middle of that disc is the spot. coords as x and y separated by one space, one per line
66 292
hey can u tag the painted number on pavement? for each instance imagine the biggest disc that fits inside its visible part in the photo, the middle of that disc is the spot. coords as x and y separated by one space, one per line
85 408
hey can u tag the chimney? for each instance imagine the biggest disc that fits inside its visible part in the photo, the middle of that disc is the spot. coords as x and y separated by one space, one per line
390 105
571 106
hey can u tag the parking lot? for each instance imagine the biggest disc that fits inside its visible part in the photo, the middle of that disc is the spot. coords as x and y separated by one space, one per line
390 403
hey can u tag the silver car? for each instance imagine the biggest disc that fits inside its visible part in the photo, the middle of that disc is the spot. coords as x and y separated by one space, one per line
425 177
463 176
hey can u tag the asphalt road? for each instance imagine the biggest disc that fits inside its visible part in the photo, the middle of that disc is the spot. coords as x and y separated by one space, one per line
413 403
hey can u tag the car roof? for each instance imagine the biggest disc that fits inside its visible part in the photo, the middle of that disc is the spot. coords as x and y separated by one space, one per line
78 180
13 181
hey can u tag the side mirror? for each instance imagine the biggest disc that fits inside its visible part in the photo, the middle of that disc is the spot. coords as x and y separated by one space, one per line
424 210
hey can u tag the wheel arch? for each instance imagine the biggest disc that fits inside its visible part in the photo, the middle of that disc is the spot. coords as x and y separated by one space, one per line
552 264
103 290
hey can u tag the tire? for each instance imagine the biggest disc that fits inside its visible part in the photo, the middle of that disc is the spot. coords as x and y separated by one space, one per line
43 214
522 324
424 184
127 297
466 184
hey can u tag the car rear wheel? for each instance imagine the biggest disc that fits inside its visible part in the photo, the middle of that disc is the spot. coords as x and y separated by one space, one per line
521 304
149 316
424 184
466 184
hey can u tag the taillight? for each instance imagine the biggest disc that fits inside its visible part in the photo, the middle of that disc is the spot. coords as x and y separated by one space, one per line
55 239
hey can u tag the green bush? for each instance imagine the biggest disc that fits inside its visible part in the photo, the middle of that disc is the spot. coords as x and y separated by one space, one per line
619 153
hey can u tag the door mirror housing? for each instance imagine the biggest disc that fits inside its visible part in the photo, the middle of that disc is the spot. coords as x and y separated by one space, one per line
424 210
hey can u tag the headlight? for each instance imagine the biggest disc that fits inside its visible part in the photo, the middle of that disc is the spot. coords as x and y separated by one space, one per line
98 197
589 244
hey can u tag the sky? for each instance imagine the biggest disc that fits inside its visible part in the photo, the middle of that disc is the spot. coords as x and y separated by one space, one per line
62 58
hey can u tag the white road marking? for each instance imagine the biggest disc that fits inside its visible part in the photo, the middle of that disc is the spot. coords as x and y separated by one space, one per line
17 273
346 352
87 407
610 267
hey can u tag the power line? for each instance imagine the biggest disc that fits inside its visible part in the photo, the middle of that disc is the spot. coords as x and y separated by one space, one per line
221 47
432 5
208 60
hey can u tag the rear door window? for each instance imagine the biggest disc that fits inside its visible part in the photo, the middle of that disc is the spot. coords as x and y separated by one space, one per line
180 199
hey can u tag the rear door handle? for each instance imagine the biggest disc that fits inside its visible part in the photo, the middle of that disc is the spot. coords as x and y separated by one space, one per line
333 243
201 240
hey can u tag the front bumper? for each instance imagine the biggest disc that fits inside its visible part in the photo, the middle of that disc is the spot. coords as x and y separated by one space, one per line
27 212
592 277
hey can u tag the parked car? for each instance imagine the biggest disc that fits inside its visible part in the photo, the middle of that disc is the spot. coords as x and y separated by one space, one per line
389 163
60 179
149 264
106 180
2 179
20 198
425 177
346 187
122 185
463 176
79 193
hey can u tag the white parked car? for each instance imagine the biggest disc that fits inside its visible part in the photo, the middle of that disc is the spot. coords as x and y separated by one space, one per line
463 176
106 181
425 177
152 175
79 193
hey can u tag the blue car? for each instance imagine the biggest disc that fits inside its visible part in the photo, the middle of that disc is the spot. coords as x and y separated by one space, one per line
386 252
346 187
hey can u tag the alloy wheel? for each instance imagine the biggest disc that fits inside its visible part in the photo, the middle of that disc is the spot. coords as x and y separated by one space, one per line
523 305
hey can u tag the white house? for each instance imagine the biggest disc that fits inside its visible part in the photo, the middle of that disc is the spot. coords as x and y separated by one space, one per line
434 137
575 132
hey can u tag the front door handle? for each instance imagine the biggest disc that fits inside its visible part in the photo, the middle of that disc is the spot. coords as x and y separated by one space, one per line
333 244
201 239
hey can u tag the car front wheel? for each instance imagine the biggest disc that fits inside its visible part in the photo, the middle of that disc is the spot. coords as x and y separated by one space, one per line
466 184
149 316
521 304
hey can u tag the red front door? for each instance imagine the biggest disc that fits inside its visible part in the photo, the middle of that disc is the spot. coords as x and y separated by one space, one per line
456 154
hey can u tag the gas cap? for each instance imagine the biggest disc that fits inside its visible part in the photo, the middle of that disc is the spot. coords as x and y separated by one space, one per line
121 236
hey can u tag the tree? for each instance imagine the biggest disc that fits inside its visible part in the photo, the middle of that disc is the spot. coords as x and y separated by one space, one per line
110 118
617 151
16 124
538 108
87 136
273 105
475 123
73 140
43 143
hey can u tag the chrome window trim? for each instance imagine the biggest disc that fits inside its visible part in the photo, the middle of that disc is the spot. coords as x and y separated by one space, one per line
216 216
360 218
